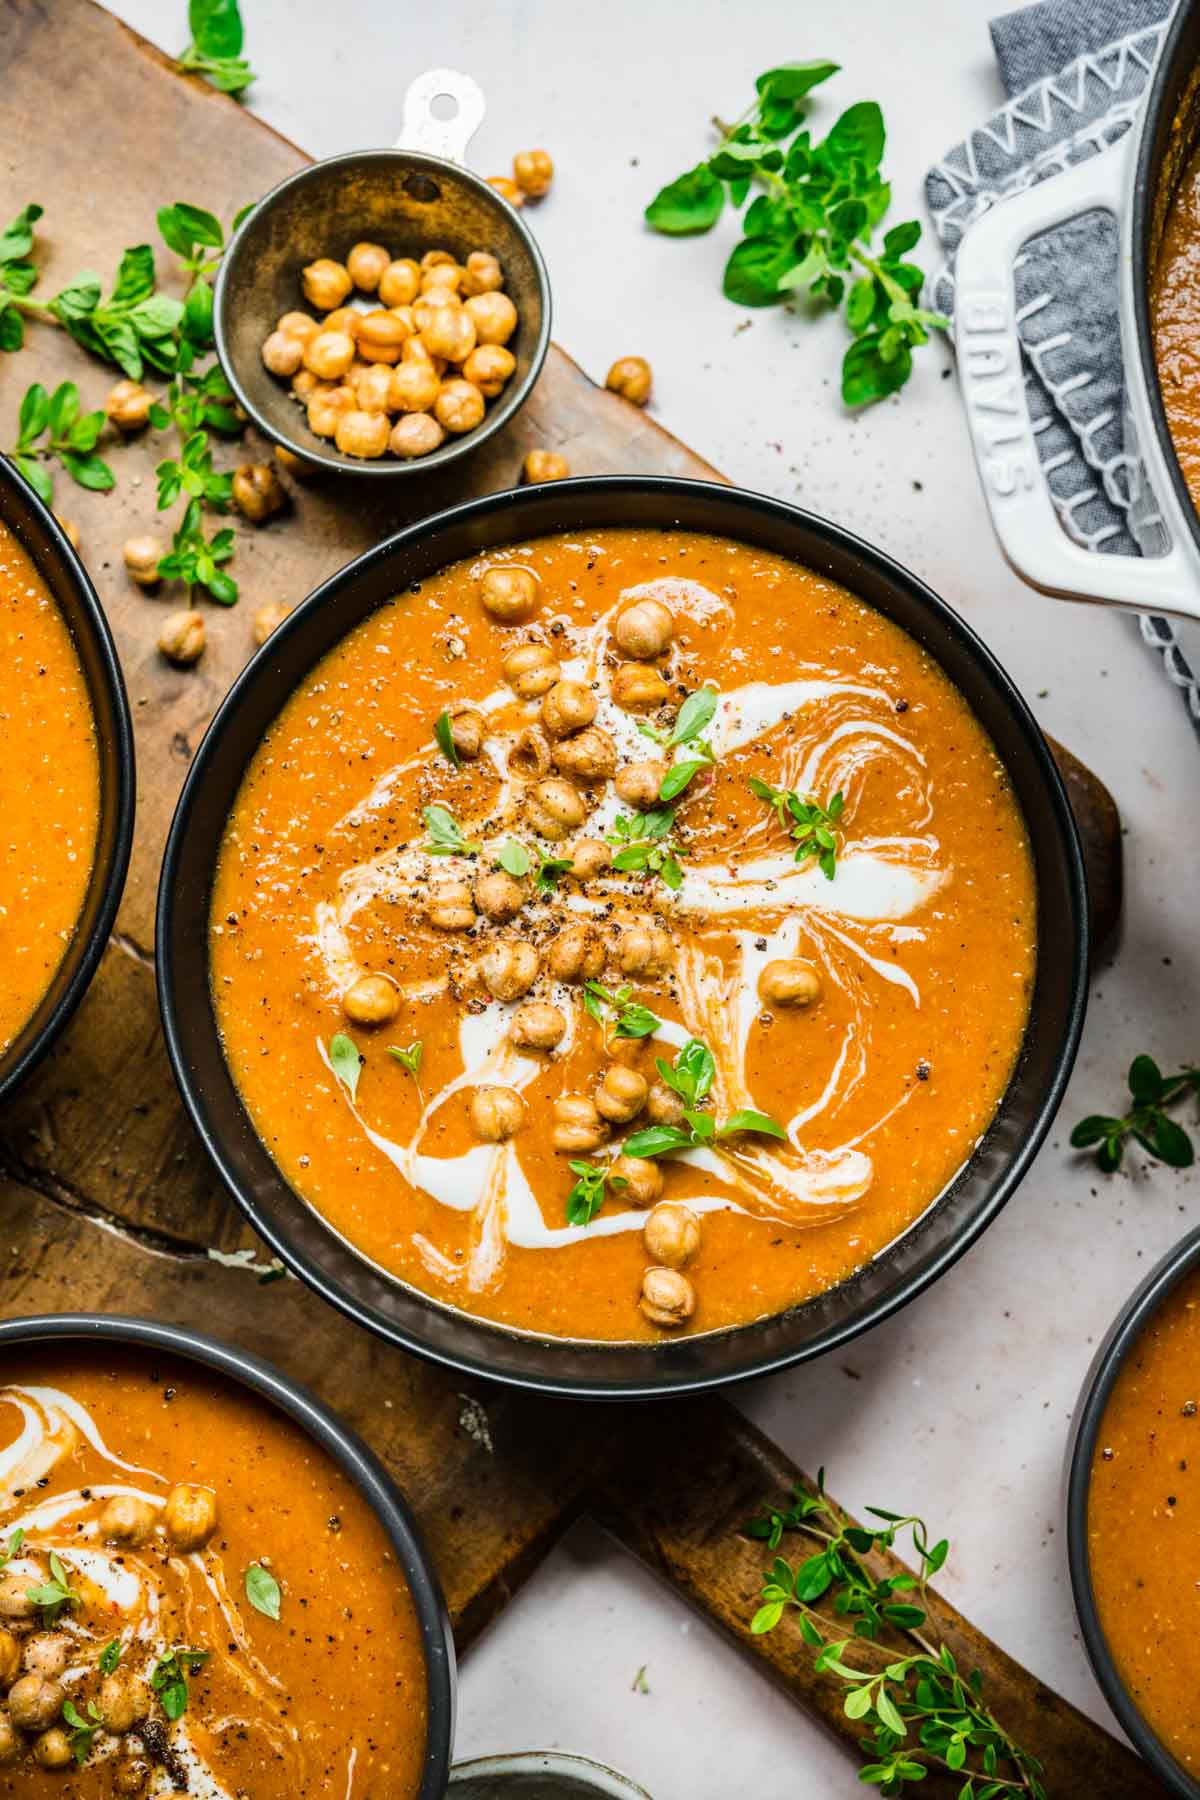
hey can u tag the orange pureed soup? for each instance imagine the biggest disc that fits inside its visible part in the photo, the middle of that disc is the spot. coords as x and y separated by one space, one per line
539 959
143 1502
49 788
1144 1523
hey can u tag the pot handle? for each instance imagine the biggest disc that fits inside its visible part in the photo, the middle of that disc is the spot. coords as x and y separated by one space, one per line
990 370
422 129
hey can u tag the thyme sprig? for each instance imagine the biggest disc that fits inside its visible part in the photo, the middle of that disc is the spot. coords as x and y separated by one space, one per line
1147 1121
51 428
918 1710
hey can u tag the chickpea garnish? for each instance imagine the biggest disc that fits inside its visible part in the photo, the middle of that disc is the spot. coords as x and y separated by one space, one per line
545 465
490 366
364 434
127 1520
15 1604
258 492
366 265
300 325
34 1702
373 389
482 274
343 318
507 190
450 333
789 982
132 1775
459 406
326 407
576 954
509 970
554 808
305 384
416 434
643 948
497 1113
123 1701
663 1105
643 1179
590 857
329 354
451 907
47 1654
326 283
577 1125
568 707
466 732
499 895
400 282
445 276
371 1000
282 353
69 530
412 387
589 756
621 1094
668 1298
530 670
128 405
538 1026
415 351
533 171
382 330
630 377
493 315
52 1750
266 618
645 629
530 755
189 1516
508 593
141 557
637 784
637 687
10 1659
436 259
10 1743
672 1234
181 639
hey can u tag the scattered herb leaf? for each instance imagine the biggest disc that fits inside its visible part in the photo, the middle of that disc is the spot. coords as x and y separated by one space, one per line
445 836
216 47
1147 1120
514 858
629 1018
82 1730
168 1679
410 1058
53 1596
262 1590
110 1657
443 733
691 1076
198 560
809 822
647 846
50 427
587 1196
346 1062
13 1547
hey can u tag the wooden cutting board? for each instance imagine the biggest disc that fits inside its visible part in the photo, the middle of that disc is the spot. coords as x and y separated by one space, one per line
109 1203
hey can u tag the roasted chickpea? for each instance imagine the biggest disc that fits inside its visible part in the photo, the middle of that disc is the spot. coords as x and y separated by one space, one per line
69 530
493 315
128 405
497 1113
127 1520
190 1516
672 1234
437 259
282 354
509 970
406 318
326 283
47 1654
508 593
329 354
258 492
381 356
52 1750
266 618
530 670
630 377
637 784
789 982
415 351
400 282
416 434
644 629
294 465
305 384
300 325
181 639
529 757
459 406
576 954
643 1179
589 756
578 1127
15 1604
382 330
141 556
489 367
668 1297
466 732
499 895
507 190
450 334
327 406
364 434
132 1775
643 949
567 708
482 274
373 389
663 1105
621 1094
590 857
34 1702
343 318
554 808
538 1026
123 1701
10 1743
431 307
636 687
10 1659
545 465
451 907
447 276
412 388
366 264
533 171
371 1000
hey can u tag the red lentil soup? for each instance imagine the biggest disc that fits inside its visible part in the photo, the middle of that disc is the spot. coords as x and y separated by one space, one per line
195 1598
1175 310
1144 1523
49 788
513 881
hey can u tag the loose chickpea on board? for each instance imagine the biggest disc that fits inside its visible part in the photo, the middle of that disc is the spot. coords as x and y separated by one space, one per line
533 172
181 639
545 465
630 376
141 556
128 406
258 492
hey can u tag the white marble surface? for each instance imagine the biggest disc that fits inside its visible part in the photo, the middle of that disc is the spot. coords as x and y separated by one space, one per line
959 1407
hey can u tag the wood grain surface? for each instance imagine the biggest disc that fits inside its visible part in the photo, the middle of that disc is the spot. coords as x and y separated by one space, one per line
108 1202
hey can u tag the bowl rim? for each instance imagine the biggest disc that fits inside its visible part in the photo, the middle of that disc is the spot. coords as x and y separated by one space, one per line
341 1443
1105 1368
648 1386
107 878
510 402
604 1782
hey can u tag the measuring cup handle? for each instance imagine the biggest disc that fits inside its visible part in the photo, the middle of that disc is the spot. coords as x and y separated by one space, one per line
421 129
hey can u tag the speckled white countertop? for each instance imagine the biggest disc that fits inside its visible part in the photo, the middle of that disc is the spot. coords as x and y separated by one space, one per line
957 1409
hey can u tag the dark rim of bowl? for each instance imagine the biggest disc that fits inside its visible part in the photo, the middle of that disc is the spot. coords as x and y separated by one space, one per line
82 956
1098 1385
647 1387
496 416
347 1450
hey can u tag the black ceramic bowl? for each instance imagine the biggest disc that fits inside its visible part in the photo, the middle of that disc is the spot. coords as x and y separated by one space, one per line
409 1318
40 534
345 1447
1098 1384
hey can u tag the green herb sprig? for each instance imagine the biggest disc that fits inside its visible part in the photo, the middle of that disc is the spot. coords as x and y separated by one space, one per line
82 1730
812 825
587 1196
263 1591
346 1062
445 834
1147 1122
811 228
627 1016
13 1547
409 1059
520 861
198 560
443 737
51 428
646 845
110 1657
693 717
56 1595
902 1695
215 51
18 276
168 1679
691 1076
